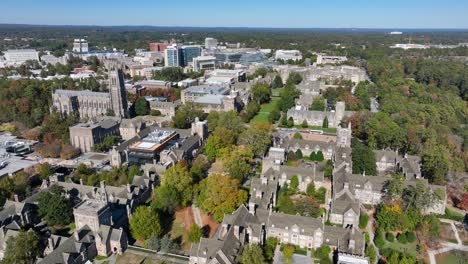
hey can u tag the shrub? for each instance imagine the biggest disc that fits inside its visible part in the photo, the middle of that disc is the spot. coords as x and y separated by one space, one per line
402 238
367 238
299 154
410 237
323 252
390 237
363 219
378 239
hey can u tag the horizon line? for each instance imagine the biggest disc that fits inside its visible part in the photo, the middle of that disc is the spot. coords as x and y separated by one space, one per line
235 27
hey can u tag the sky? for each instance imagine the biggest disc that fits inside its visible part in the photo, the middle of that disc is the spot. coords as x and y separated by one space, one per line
392 14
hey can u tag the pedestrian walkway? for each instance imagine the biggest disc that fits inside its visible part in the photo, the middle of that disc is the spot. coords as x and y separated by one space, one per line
196 214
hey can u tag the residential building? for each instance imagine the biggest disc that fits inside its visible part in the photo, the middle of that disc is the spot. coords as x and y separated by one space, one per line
316 118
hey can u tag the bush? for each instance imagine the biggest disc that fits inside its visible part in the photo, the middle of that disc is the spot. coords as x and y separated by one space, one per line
367 238
270 247
410 237
390 237
363 219
323 252
402 238
299 154
378 239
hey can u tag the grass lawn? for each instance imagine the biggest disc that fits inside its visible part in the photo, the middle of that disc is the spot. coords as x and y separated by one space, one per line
328 129
408 248
181 226
452 257
276 92
265 110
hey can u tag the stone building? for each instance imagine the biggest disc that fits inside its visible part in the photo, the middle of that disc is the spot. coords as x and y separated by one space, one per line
316 118
131 127
85 136
90 104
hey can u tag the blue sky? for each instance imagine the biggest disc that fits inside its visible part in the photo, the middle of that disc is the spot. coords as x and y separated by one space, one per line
241 13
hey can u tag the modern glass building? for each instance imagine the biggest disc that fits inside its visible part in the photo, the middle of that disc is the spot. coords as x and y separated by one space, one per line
188 53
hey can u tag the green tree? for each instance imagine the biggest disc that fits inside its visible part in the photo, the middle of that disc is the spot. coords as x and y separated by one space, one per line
257 138
219 195
185 115
299 154
325 122
252 254
363 158
261 92
142 106
145 223
170 74
318 104
45 170
304 124
395 186
277 82
237 161
288 252
194 234
179 178
293 185
54 207
371 253
435 164
22 248
270 247
390 237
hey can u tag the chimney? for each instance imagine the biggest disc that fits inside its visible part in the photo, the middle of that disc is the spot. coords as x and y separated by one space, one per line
81 181
252 208
237 231
129 188
50 242
16 198
77 235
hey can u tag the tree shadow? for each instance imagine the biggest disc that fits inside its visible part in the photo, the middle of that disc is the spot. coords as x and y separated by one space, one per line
206 231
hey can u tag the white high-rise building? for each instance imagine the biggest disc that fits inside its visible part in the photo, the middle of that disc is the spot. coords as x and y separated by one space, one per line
80 45
211 43
17 57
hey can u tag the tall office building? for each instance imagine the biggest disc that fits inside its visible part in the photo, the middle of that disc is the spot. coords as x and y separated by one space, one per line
180 56
80 45
188 53
211 43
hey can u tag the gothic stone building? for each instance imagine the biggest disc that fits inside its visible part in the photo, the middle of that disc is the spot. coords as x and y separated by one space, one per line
90 104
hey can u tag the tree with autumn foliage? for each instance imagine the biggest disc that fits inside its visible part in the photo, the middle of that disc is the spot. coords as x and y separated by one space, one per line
219 195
